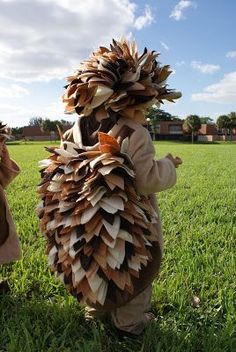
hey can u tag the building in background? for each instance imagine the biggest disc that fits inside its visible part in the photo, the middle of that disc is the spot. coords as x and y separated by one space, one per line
210 133
173 130
166 130
35 133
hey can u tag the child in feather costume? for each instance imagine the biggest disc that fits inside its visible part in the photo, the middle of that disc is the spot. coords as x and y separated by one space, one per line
98 209
9 242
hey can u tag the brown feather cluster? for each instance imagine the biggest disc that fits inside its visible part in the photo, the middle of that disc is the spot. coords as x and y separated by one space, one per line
4 130
117 81
99 231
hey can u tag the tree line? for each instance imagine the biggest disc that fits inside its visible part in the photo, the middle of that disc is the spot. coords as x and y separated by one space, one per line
45 124
192 123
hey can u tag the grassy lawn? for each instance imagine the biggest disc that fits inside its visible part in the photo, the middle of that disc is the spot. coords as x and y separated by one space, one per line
199 229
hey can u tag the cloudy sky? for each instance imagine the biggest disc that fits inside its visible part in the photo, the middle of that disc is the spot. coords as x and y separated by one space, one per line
43 41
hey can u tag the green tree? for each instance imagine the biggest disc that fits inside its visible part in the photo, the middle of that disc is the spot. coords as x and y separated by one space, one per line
16 131
223 123
206 120
155 114
49 126
36 121
191 125
232 122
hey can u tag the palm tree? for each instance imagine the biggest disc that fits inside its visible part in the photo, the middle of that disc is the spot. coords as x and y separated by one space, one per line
223 123
49 126
191 125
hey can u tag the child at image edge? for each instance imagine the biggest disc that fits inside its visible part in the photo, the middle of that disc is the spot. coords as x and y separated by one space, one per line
9 242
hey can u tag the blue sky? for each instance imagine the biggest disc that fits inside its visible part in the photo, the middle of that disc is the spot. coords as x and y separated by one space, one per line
43 41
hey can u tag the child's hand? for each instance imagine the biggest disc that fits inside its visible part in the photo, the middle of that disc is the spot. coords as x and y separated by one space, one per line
176 161
4 154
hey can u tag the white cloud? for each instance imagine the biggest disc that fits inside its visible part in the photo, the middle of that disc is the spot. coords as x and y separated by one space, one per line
180 63
231 55
15 114
13 91
204 68
216 114
222 92
165 46
144 20
177 12
19 114
46 39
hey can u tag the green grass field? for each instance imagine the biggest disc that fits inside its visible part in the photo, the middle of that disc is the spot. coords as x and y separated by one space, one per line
199 229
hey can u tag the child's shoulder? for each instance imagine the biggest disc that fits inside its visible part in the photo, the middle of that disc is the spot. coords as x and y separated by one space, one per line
139 136
137 128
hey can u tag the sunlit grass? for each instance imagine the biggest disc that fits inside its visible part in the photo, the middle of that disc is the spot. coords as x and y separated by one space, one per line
199 229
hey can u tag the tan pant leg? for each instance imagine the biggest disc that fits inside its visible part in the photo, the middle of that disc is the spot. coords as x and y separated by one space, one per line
131 317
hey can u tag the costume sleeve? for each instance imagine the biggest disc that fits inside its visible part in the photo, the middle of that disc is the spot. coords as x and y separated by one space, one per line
8 172
68 135
151 175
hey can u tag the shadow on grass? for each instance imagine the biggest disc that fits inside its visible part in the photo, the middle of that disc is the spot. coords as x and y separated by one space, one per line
14 143
195 143
46 325
23 143
188 142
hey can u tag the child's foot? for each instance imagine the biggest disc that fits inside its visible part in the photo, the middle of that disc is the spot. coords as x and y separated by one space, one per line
92 314
150 317
4 287
138 330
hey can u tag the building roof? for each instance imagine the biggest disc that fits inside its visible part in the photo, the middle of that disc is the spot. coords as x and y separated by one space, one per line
29 131
34 131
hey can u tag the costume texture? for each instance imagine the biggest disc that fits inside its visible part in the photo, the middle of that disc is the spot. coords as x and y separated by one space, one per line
9 242
99 229
118 81
98 208
4 130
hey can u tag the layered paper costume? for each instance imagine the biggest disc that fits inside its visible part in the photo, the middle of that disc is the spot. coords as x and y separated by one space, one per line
4 131
9 242
102 232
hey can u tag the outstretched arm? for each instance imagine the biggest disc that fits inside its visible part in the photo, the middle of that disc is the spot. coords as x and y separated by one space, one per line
151 175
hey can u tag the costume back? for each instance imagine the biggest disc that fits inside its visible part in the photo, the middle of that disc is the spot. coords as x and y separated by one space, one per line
99 230
101 234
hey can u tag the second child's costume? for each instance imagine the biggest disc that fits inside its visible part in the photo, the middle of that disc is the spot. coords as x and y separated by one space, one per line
9 242
98 208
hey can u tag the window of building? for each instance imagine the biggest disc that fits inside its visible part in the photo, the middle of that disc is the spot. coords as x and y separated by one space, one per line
175 129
